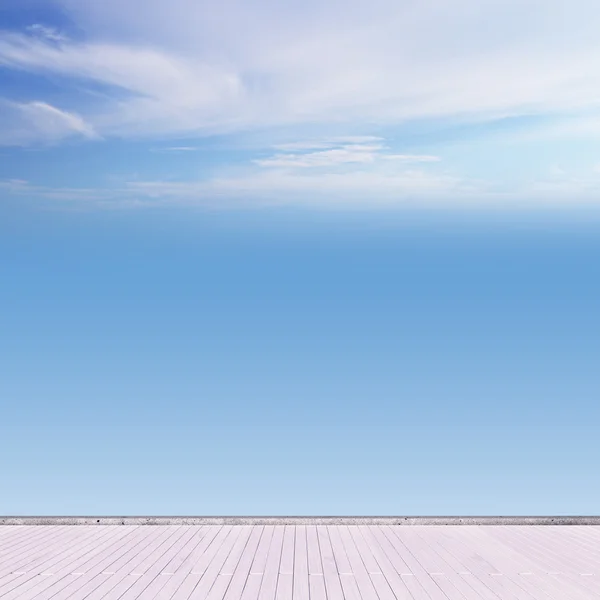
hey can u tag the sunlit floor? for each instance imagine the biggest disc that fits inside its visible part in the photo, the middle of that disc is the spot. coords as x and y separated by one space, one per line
294 562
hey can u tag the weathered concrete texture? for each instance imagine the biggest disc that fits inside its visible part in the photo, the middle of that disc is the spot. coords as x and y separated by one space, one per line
233 520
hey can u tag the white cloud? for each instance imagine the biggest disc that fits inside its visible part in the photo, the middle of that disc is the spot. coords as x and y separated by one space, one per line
280 187
48 33
323 158
23 123
232 65
412 158
328 143
54 122
337 154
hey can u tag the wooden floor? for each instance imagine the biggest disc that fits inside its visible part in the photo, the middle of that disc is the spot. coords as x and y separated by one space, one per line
294 562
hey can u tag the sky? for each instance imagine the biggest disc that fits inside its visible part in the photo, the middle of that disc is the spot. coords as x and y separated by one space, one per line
312 258
301 102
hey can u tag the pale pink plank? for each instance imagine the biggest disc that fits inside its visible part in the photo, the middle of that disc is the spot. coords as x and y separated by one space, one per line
37 559
416 569
285 587
242 570
65 567
181 568
268 586
23 556
333 584
189 553
287 553
216 566
315 566
222 542
234 556
446 578
545 560
394 580
33 577
100 572
350 587
317 587
503 566
130 568
364 582
339 552
217 591
252 587
152 576
301 583
262 552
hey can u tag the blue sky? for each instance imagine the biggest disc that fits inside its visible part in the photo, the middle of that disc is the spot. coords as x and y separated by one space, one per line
299 257
305 103
278 362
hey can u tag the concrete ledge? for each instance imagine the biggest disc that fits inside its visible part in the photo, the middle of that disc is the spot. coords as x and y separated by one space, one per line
414 520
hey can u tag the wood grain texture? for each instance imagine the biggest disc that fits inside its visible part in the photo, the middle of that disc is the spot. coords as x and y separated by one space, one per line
299 562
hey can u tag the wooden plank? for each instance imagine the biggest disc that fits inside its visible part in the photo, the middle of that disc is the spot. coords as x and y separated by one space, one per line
268 586
125 572
217 565
303 562
463 577
35 580
504 567
21 534
252 587
220 586
393 579
339 551
60 570
262 552
285 586
233 558
350 587
192 577
89 577
424 579
157 562
559 572
43 562
315 566
364 582
187 556
317 587
286 566
21 557
331 576
439 569
301 582
242 571
158 574
181 567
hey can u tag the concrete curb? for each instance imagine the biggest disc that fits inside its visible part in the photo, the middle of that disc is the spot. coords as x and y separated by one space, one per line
407 521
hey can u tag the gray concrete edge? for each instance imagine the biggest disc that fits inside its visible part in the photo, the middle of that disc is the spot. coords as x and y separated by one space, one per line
307 520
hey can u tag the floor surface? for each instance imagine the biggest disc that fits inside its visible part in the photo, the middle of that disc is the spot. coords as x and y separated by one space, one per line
299 562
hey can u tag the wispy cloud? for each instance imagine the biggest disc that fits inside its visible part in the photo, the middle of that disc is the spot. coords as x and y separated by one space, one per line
323 158
22 123
46 33
182 149
219 67
337 153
